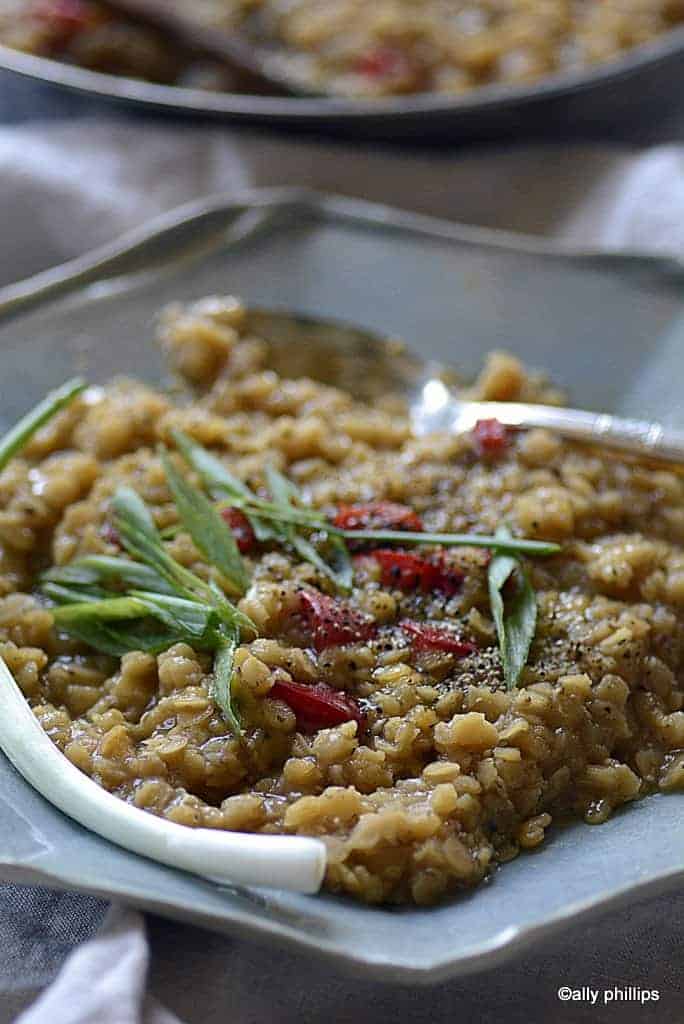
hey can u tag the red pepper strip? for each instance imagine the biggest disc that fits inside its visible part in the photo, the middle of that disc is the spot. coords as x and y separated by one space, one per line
377 515
432 638
333 623
66 18
406 571
241 527
318 706
491 438
383 62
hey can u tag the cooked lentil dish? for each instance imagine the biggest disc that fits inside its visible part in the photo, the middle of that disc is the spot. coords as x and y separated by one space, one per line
380 719
352 47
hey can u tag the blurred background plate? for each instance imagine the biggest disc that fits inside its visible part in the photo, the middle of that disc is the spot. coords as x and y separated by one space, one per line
608 328
642 87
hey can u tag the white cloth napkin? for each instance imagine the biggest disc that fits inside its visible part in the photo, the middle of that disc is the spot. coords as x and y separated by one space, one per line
65 188
103 981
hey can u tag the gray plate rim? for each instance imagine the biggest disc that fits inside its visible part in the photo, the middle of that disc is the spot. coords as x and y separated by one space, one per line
246 213
488 954
338 111
254 210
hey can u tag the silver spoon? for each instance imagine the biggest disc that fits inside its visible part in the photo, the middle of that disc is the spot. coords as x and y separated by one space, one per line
263 64
371 367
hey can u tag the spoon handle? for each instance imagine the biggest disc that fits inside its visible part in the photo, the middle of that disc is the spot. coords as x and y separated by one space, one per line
219 42
638 437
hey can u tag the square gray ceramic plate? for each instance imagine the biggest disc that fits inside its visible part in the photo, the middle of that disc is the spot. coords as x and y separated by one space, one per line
609 329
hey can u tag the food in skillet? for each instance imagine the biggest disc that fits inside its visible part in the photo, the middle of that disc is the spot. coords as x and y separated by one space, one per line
352 47
87 34
270 608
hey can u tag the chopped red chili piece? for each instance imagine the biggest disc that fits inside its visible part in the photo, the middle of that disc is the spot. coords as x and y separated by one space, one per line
433 638
333 623
491 438
110 534
66 18
318 706
407 571
377 515
383 62
241 527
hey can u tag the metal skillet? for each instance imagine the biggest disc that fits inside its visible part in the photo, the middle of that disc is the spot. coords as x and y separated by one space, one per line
619 98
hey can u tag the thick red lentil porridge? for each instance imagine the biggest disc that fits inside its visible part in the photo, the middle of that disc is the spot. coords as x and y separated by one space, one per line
378 719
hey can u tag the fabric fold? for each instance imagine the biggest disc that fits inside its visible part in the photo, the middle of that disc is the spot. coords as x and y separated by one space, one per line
104 980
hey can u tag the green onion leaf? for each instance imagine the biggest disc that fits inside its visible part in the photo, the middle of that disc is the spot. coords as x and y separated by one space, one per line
285 497
208 529
119 638
283 491
134 516
141 538
221 689
72 575
283 510
507 544
221 483
22 432
166 603
110 609
185 621
340 562
114 626
104 569
214 475
64 594
515 617
282 494
192 620
230 616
